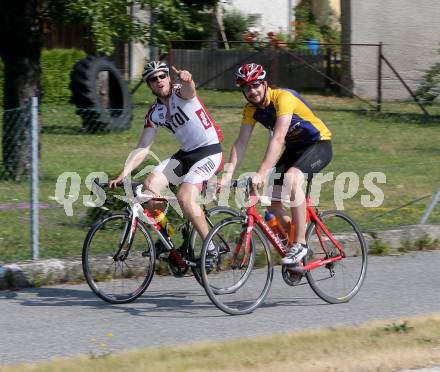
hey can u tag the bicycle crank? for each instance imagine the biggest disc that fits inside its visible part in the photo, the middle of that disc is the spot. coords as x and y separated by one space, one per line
176 264
291 277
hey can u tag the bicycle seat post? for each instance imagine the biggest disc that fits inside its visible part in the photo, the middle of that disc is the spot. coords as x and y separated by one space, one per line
309 186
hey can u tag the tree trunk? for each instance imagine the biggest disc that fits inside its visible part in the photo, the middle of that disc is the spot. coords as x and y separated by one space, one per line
20 49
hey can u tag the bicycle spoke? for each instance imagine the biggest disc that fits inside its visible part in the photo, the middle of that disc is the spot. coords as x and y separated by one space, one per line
123 276
340 280
214 216
241 278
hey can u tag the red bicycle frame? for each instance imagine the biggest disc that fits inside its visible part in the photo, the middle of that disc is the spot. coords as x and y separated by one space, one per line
253 217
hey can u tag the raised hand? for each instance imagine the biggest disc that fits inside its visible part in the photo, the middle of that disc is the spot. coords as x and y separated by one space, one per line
184 76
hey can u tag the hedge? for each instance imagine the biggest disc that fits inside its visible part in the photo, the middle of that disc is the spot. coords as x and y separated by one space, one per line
56 66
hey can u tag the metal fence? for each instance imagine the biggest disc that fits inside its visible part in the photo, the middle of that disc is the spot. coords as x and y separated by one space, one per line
359 70
214 69
68 154
39 145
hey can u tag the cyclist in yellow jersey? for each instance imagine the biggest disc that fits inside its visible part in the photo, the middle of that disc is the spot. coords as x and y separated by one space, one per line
305 138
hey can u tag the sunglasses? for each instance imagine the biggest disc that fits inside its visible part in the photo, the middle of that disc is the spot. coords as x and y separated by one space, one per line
157 78
247 87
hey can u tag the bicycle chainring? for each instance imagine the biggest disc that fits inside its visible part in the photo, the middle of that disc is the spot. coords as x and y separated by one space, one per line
291 278
175 266
176 270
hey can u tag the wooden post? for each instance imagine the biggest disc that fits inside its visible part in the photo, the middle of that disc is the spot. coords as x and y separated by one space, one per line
379 78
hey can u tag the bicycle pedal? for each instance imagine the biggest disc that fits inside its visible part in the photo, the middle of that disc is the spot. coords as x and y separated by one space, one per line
162 257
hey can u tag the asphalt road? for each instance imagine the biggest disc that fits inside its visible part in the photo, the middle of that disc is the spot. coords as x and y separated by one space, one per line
37 324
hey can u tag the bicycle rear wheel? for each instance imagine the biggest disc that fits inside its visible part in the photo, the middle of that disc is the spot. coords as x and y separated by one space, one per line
113 277
213 216
341 280
239 280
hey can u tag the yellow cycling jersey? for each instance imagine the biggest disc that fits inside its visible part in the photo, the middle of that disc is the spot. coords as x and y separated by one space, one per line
305 127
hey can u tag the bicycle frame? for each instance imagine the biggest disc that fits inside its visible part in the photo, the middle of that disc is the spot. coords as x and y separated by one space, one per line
253 217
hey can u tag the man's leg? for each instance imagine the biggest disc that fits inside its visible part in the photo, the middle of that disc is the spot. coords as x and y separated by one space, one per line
201 170
154 184
187 197
276 207
294 180
169 170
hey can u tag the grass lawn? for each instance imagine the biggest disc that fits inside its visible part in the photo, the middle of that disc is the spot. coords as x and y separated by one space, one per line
375 346
402 144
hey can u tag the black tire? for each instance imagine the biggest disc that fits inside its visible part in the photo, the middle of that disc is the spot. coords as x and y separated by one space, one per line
117 114
103 273
213 216
339 281
237 284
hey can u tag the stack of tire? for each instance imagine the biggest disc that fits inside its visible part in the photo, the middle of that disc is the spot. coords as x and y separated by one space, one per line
116 115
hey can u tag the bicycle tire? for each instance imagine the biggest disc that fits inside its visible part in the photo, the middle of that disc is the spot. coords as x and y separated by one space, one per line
328 281
102 272
244 295
194 244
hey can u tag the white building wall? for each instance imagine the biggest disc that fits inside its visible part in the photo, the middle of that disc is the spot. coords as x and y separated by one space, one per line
410 32
274 13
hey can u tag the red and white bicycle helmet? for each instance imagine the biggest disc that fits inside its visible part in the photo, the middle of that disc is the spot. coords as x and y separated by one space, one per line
249 73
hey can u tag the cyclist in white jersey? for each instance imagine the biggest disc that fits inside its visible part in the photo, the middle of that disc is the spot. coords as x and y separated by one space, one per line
200 157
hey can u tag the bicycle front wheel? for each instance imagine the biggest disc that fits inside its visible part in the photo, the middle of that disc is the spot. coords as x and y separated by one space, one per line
239 279
116 269
213 216
341 280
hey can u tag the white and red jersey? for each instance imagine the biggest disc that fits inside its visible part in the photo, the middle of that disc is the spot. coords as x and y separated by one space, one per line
189 120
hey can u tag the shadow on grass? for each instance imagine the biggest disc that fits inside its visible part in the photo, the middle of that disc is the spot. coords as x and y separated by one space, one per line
407 118
62 130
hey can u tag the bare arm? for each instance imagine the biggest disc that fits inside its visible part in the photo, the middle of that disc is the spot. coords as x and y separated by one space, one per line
188 89
276 144
238 150
137 156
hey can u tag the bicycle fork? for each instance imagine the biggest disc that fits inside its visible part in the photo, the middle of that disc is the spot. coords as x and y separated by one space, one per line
245 237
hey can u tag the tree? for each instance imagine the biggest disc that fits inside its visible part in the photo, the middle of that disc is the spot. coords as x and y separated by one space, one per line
20 49
21 43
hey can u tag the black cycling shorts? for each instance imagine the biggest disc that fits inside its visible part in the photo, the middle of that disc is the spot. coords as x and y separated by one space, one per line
194 166
309 159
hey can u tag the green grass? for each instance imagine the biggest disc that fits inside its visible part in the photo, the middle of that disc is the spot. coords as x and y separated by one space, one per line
403 144
391 345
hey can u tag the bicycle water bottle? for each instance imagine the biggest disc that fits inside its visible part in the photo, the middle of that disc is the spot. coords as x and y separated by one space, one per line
275 226
162 220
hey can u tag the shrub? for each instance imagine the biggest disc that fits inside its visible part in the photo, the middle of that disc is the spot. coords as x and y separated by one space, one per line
56 66
429 89
379 248
307 28
426 243
237 25
405 246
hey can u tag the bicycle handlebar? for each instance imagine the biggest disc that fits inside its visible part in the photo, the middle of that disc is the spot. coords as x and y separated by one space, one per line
246 182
